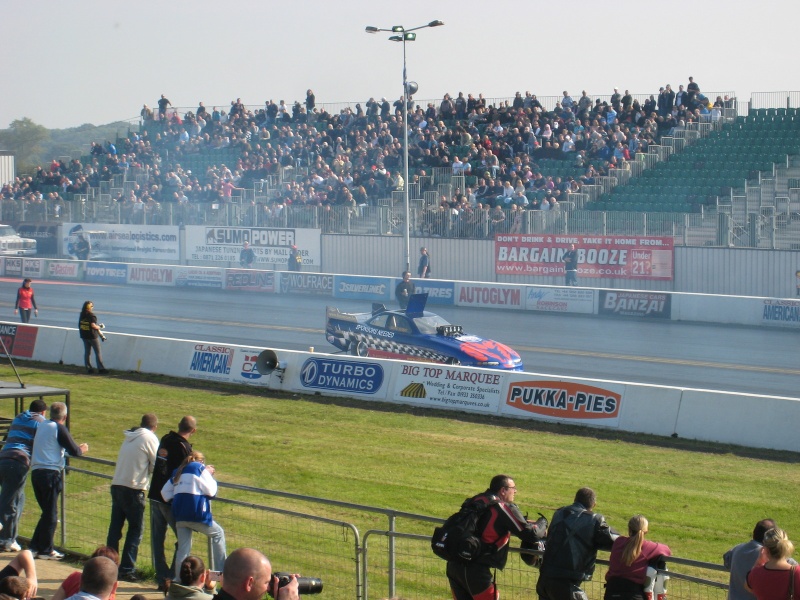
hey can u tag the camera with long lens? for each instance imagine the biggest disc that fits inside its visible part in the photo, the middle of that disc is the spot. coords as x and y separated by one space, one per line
305 585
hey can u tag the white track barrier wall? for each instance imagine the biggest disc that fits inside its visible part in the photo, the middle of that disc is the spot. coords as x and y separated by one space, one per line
663 411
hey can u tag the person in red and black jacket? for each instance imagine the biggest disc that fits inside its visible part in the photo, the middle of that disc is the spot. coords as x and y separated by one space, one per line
25 301
503 519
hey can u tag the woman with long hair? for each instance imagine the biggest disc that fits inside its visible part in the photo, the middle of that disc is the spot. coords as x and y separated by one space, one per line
91 335
25 301
773 579
191 489
194 581
630 557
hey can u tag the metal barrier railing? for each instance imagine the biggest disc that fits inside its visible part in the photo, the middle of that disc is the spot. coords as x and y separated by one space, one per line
320 538
421 575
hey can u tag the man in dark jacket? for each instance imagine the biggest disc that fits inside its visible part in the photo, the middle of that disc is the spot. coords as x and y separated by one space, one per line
503 518
573 539
174 447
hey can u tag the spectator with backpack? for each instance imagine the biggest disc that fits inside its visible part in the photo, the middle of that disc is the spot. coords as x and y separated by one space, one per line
497 518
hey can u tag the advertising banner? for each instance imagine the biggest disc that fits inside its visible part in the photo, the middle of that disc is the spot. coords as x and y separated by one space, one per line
64 269
205 277
98 272
249 280
243 368
13 267
374 289
611 257
46 236
439 292
270 245
491 295
342 376
565 300
785 313
33 267
654 305
20 340
109 241
306 283
439 386
151 275
209 361
570 401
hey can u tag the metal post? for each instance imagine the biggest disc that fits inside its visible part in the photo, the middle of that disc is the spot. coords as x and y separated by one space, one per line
63 513
392 570
405 35
406 229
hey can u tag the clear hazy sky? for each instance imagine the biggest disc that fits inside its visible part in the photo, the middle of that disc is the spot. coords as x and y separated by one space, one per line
66 63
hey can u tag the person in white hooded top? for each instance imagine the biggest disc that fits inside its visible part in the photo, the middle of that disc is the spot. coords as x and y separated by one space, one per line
135 462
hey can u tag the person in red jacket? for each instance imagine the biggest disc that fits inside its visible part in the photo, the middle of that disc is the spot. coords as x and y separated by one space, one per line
25 301
474 581
630 557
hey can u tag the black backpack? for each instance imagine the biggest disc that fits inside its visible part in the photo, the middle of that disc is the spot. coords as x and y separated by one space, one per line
457 538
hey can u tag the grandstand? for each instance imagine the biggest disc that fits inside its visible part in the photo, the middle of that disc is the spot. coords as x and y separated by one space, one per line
702 173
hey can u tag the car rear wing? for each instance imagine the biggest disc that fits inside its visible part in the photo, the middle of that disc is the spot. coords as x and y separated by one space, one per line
331 312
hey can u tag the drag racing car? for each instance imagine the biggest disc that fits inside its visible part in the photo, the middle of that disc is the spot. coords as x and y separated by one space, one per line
414 334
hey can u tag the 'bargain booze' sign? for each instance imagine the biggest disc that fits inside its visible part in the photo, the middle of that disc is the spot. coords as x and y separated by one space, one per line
611 257
563 400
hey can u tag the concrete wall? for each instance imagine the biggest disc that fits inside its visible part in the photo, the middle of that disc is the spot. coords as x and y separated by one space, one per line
616 405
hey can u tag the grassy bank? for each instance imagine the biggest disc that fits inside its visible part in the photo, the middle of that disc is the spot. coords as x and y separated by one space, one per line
700 498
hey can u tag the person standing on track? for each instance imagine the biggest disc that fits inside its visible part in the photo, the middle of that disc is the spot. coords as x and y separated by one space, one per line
247 257
571 266
424 266
404 290
25 301
91 335
295 259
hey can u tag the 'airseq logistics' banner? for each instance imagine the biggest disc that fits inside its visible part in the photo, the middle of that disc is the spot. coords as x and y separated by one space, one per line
612 256
115 242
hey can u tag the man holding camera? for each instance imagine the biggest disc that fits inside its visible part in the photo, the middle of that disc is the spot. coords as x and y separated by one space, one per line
91 331
247 575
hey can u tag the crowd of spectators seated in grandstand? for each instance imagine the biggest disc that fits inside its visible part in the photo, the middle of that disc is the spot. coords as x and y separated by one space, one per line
355 158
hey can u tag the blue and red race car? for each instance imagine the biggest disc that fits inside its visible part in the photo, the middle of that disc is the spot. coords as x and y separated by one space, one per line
414 334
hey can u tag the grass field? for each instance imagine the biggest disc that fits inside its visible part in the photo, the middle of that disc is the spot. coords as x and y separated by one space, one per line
700 498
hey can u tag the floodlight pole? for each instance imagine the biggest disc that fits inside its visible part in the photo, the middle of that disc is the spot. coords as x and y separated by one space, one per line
406 35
